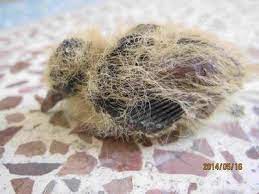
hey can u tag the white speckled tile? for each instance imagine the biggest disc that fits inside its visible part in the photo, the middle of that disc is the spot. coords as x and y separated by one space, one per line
39 157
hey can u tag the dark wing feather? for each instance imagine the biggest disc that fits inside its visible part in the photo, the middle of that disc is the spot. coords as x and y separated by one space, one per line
154 115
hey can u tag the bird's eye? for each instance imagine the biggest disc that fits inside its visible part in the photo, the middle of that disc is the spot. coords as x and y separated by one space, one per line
69 47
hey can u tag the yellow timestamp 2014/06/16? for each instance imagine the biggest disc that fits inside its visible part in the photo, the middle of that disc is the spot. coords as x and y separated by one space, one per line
222 166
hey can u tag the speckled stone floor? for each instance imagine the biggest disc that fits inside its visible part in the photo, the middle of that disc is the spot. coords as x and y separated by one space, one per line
46 153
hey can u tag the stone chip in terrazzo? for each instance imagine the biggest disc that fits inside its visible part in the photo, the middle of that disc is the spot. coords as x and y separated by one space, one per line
253 152
25 51
58 147
202 146
32 169
120 156
14 117
230 158
17 84
192 187
22 185
73 184
79 163
256 110
33 148
35 72
49 187
29 89
1 152
7 134
19 66
10 102
235 130
119 186
176 162
255 133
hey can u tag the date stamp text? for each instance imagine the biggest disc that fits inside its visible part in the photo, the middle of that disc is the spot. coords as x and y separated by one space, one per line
222 166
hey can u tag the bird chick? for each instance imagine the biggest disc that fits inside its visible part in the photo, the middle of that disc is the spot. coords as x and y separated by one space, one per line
148 81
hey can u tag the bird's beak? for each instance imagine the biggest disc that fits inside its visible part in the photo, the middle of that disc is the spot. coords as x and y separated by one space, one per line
52 98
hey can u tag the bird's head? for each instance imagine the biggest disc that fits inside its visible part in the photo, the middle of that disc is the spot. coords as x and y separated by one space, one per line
66 71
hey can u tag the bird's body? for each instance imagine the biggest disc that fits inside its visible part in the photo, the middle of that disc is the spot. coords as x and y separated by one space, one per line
149 80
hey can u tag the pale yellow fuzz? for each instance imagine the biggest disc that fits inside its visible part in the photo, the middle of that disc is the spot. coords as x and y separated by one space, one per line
171 71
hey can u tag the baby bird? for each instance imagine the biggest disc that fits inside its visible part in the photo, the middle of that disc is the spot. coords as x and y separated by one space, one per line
146 83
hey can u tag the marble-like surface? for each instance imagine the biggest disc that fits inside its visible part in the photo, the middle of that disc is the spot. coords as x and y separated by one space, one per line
39 154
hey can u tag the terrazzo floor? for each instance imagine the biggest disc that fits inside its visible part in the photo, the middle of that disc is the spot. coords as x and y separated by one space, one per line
48 154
